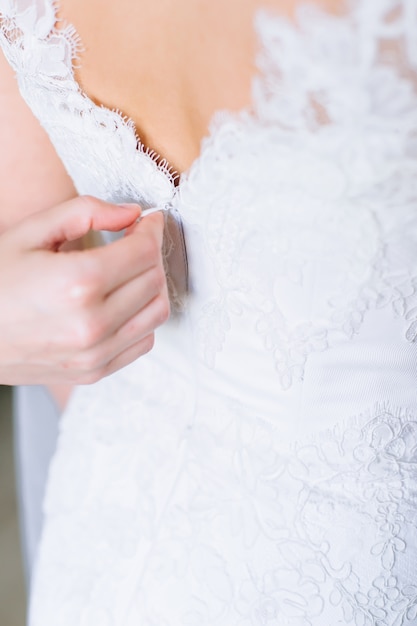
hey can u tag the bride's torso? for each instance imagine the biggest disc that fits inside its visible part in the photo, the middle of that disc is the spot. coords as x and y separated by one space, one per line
295 128
187 475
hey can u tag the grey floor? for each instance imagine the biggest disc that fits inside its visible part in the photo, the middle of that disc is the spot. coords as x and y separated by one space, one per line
12 593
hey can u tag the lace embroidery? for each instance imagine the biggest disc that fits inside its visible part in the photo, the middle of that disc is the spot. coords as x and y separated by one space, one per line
304 218
245 531
327 68
42 55
334 184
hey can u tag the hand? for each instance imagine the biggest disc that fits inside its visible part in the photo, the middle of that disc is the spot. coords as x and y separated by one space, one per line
75 317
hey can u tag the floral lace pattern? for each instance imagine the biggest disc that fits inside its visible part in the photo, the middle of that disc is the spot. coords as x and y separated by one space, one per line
303 519
42 51
331 188
226 524
336 113
301 223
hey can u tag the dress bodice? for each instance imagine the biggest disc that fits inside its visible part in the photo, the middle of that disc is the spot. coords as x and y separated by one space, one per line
301 325
331 141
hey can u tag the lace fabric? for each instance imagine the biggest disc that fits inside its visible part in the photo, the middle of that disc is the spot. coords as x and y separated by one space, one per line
234 528
42 51
198 483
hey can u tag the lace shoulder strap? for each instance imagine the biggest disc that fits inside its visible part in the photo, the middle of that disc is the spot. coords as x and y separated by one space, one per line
32 41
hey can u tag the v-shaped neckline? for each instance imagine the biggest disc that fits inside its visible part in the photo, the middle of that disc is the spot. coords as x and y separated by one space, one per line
50 24
161 165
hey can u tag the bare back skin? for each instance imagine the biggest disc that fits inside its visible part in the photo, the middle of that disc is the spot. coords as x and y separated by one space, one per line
169 66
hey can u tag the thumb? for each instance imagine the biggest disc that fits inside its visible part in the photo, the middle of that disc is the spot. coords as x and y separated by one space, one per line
49 229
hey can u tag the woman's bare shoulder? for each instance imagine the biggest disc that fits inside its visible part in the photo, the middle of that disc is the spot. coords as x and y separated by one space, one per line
32 176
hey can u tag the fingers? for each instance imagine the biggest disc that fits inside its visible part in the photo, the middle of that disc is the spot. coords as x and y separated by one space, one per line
96 357
132 297
130 355
155 314
99 358
150 224
73 219
128 258
87 375
80 315
100 290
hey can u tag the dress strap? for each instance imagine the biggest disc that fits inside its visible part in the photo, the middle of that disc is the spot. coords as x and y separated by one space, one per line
33 40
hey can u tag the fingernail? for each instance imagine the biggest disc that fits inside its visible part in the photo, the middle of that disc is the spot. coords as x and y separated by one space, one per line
130 206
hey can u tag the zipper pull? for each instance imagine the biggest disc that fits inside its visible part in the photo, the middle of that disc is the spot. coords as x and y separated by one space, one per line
155 209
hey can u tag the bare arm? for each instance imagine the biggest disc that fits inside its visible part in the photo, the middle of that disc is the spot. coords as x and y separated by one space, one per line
77 316
31 175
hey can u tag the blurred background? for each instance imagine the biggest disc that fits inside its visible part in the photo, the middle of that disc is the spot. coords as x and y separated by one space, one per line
12 588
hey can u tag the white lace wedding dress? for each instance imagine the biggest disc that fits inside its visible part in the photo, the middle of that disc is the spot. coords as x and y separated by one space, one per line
259 467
